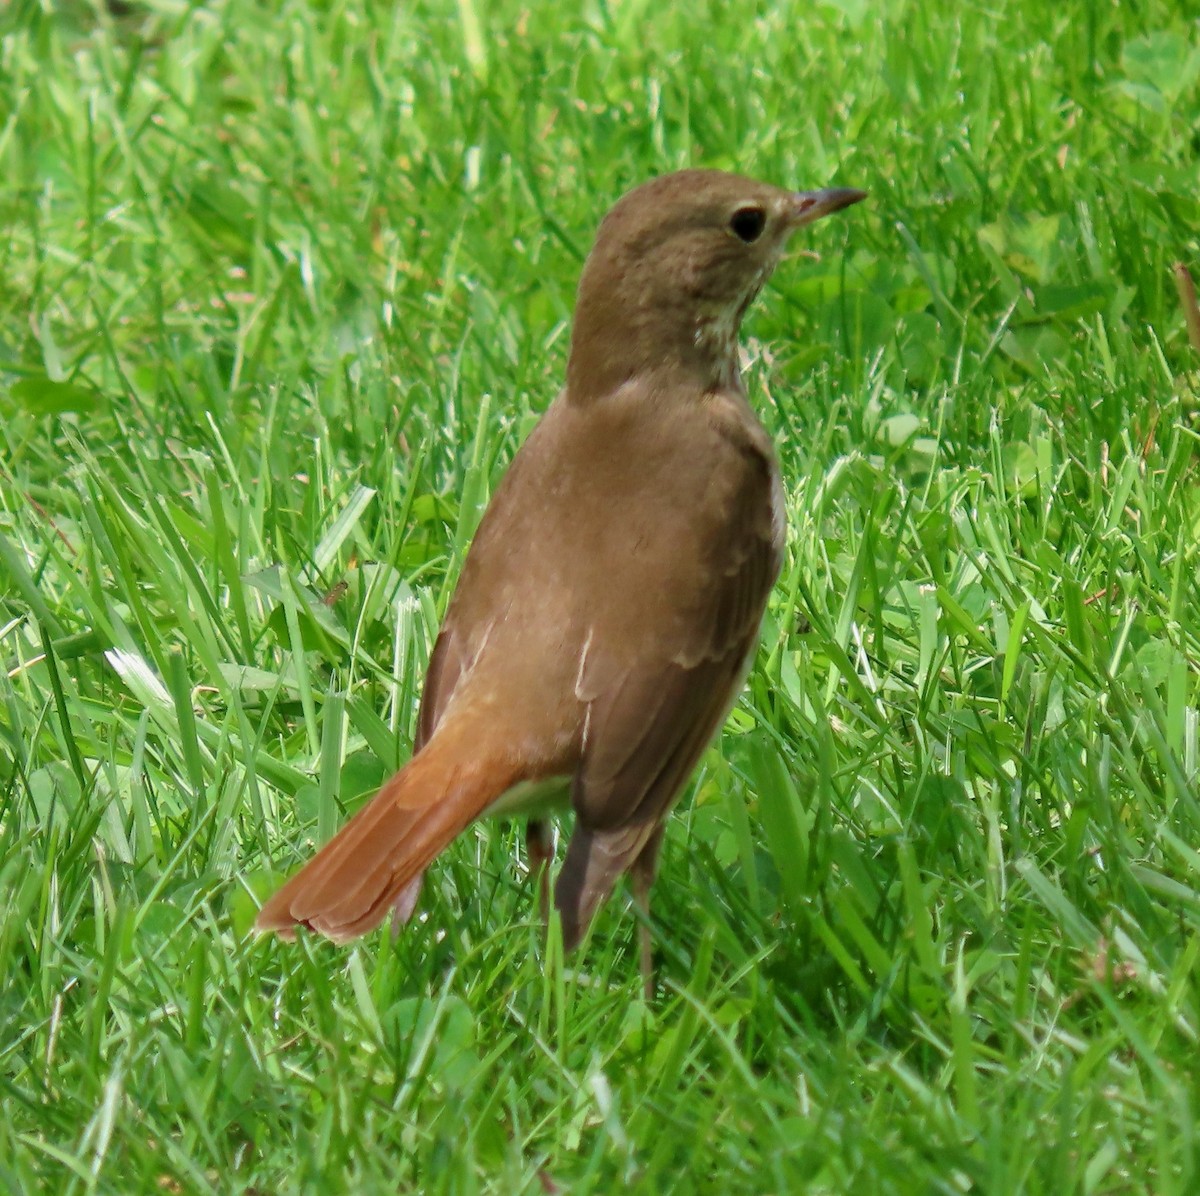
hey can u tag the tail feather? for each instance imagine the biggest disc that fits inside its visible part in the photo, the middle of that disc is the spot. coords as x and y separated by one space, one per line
375 862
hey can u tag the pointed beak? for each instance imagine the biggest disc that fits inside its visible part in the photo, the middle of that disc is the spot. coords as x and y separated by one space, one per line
808 206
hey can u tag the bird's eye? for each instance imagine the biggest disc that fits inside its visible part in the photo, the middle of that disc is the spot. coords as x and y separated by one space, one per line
748 223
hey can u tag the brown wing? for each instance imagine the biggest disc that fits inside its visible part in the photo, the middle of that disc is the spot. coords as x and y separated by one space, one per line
445 668
650 713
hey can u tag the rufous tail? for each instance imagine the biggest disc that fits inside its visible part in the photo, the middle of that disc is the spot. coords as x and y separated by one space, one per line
349 886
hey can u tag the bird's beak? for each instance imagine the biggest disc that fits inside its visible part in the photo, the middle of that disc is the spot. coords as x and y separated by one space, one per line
807 206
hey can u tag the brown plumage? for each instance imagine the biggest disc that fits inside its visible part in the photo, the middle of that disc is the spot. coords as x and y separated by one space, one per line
613 594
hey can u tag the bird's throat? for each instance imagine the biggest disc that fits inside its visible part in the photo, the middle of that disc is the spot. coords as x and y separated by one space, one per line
697 350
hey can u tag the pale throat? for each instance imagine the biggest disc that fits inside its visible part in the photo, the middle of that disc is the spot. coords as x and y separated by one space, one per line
716 338
716 331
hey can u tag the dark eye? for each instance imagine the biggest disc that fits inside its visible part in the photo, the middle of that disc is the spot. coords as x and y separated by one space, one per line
748 223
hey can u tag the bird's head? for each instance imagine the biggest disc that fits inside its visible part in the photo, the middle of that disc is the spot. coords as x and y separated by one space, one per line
676 263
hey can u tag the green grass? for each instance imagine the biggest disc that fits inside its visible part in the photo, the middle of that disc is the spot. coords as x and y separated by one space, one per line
283 286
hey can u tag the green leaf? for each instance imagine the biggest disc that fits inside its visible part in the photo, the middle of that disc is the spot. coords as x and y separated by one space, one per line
899 429
786 824
362 773
43 396
1165 62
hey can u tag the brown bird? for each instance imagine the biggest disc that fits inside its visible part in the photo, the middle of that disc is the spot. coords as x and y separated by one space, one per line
611 600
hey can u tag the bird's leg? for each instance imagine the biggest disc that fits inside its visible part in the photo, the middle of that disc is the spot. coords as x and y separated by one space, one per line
641 876
539 848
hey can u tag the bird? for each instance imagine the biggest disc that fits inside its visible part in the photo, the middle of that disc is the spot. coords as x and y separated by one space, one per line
611 600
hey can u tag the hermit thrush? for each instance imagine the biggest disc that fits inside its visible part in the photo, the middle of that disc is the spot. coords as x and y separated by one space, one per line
612 597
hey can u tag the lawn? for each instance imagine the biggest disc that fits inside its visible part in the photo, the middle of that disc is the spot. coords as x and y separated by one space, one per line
282 287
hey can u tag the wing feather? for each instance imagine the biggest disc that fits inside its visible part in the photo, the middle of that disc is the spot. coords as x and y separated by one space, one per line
652 711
